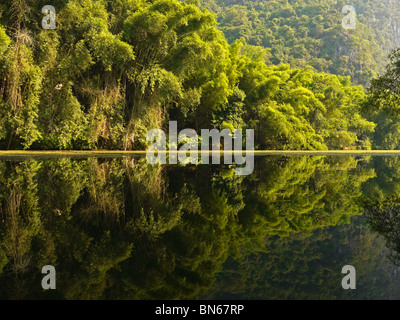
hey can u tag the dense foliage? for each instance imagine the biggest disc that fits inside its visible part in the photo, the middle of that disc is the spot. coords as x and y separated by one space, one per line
112 70
310 32
121 228
124 229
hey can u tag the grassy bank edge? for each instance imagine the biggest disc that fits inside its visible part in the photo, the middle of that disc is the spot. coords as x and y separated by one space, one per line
116 153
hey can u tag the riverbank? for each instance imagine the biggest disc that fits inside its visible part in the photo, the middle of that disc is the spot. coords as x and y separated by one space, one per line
116 153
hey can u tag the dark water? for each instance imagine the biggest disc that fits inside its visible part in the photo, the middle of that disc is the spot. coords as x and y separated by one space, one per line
120 228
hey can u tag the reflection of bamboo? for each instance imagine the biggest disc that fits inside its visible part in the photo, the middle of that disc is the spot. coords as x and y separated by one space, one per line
13 205
130 162
14 244
102 199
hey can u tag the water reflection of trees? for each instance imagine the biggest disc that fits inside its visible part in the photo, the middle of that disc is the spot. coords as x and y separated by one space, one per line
386 221
114 230
382 204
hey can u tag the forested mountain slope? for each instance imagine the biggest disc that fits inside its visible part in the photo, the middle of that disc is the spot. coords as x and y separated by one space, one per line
304 33
113 70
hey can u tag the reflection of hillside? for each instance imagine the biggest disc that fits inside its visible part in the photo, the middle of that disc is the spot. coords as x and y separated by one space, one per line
117 230
308 267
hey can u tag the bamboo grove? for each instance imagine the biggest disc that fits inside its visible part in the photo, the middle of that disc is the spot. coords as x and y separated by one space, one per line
112 70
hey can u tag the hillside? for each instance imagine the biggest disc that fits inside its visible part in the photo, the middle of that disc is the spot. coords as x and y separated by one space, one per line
310 32
112 71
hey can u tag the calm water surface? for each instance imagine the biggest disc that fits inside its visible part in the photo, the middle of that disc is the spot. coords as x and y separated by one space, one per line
119 228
